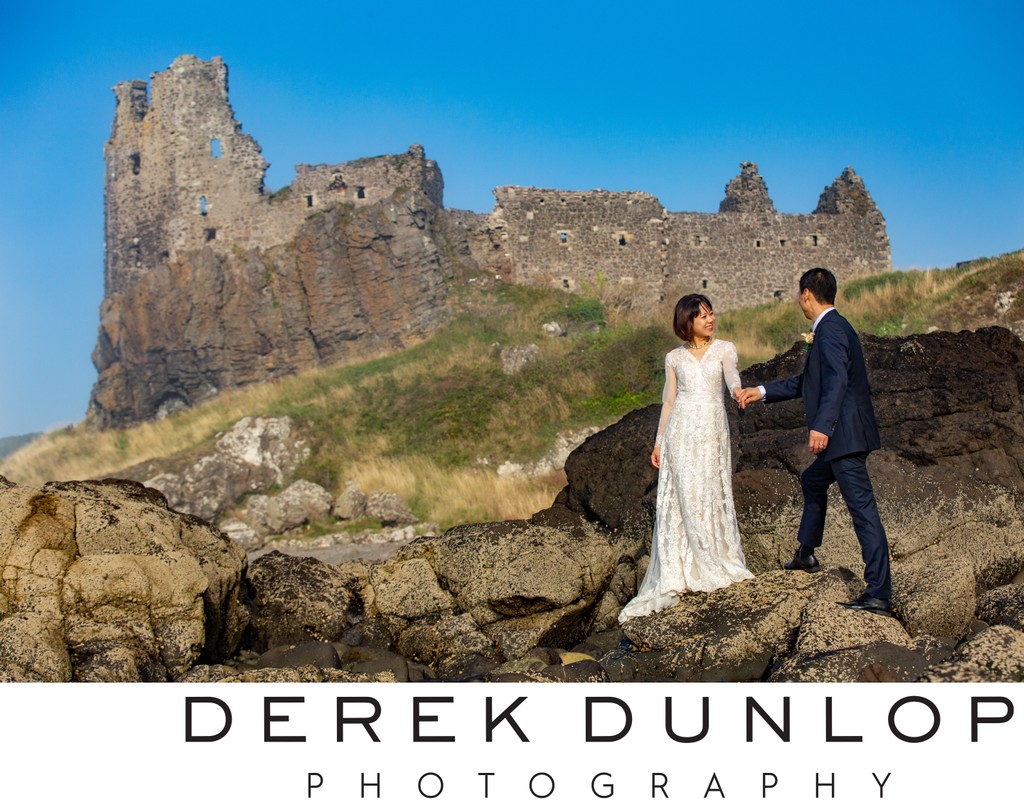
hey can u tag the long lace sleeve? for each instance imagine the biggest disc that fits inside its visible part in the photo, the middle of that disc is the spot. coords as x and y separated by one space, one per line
668 399
730 365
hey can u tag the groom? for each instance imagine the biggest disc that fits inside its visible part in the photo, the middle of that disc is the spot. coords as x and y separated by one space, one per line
842 430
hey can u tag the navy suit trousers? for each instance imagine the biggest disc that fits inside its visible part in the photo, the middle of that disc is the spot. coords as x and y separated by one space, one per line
850 471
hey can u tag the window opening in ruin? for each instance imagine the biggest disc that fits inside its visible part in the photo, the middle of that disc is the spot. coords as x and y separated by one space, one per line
360 192
309 201
215 147
202 206
777 294
814 241
757 243
782 242
563 237
136 162
704 284
622 240
211 233
565 283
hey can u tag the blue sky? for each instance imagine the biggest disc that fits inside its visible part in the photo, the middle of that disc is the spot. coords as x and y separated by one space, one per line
923 99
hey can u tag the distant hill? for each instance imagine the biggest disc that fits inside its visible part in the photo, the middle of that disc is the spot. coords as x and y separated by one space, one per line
10 445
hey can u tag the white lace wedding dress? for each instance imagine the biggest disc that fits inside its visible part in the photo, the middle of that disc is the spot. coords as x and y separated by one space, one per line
696 545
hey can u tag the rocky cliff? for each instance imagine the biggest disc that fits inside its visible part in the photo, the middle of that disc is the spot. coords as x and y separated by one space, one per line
211 282
352 282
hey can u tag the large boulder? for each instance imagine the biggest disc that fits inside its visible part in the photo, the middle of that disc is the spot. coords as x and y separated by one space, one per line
491 591
295 599
102 582
610 476
300 503
946 399
254 455
508 570
995 655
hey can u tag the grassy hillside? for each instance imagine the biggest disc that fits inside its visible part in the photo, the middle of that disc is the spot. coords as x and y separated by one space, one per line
433 422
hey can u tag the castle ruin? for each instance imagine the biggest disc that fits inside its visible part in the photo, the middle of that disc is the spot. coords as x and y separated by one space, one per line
746 253
212 282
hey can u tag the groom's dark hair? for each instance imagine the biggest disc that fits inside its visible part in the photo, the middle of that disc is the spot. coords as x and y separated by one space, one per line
821 283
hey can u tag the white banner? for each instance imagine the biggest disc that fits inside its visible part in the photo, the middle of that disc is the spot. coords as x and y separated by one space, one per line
512 744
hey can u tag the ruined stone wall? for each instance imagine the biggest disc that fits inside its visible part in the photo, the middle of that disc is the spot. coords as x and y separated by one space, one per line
181 174
747 253
369 180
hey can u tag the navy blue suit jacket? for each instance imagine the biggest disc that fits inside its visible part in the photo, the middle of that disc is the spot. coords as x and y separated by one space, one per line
834 387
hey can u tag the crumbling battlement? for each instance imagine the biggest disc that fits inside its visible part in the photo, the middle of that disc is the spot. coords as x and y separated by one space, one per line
747 253
180 174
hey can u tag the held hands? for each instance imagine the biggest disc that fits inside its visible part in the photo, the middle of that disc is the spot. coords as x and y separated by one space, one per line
748 395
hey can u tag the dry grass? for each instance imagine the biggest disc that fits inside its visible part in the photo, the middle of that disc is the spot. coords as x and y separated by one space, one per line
457 496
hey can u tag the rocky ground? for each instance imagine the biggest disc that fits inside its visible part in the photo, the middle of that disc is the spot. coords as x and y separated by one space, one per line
103 581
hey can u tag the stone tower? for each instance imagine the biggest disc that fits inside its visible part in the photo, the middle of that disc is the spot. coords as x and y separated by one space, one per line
212 283
179 170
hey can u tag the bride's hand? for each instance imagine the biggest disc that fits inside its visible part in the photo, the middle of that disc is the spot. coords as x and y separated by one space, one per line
656 457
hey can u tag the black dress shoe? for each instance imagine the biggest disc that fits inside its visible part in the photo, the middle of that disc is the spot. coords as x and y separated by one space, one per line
807 563
866 603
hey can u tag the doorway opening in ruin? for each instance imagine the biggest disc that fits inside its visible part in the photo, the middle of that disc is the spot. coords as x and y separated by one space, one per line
360 192
309 201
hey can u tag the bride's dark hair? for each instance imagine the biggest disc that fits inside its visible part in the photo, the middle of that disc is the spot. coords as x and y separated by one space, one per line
687 309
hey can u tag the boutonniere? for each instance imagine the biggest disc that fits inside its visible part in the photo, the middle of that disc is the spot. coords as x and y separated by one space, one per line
808 339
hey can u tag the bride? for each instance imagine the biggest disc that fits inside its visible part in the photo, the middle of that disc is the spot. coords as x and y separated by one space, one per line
696 544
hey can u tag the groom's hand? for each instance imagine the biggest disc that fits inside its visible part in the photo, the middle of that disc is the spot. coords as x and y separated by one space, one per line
817 442
748 395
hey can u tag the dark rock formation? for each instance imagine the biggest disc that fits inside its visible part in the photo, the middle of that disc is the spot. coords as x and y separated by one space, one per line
945 400
949 405
353 281
295 600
